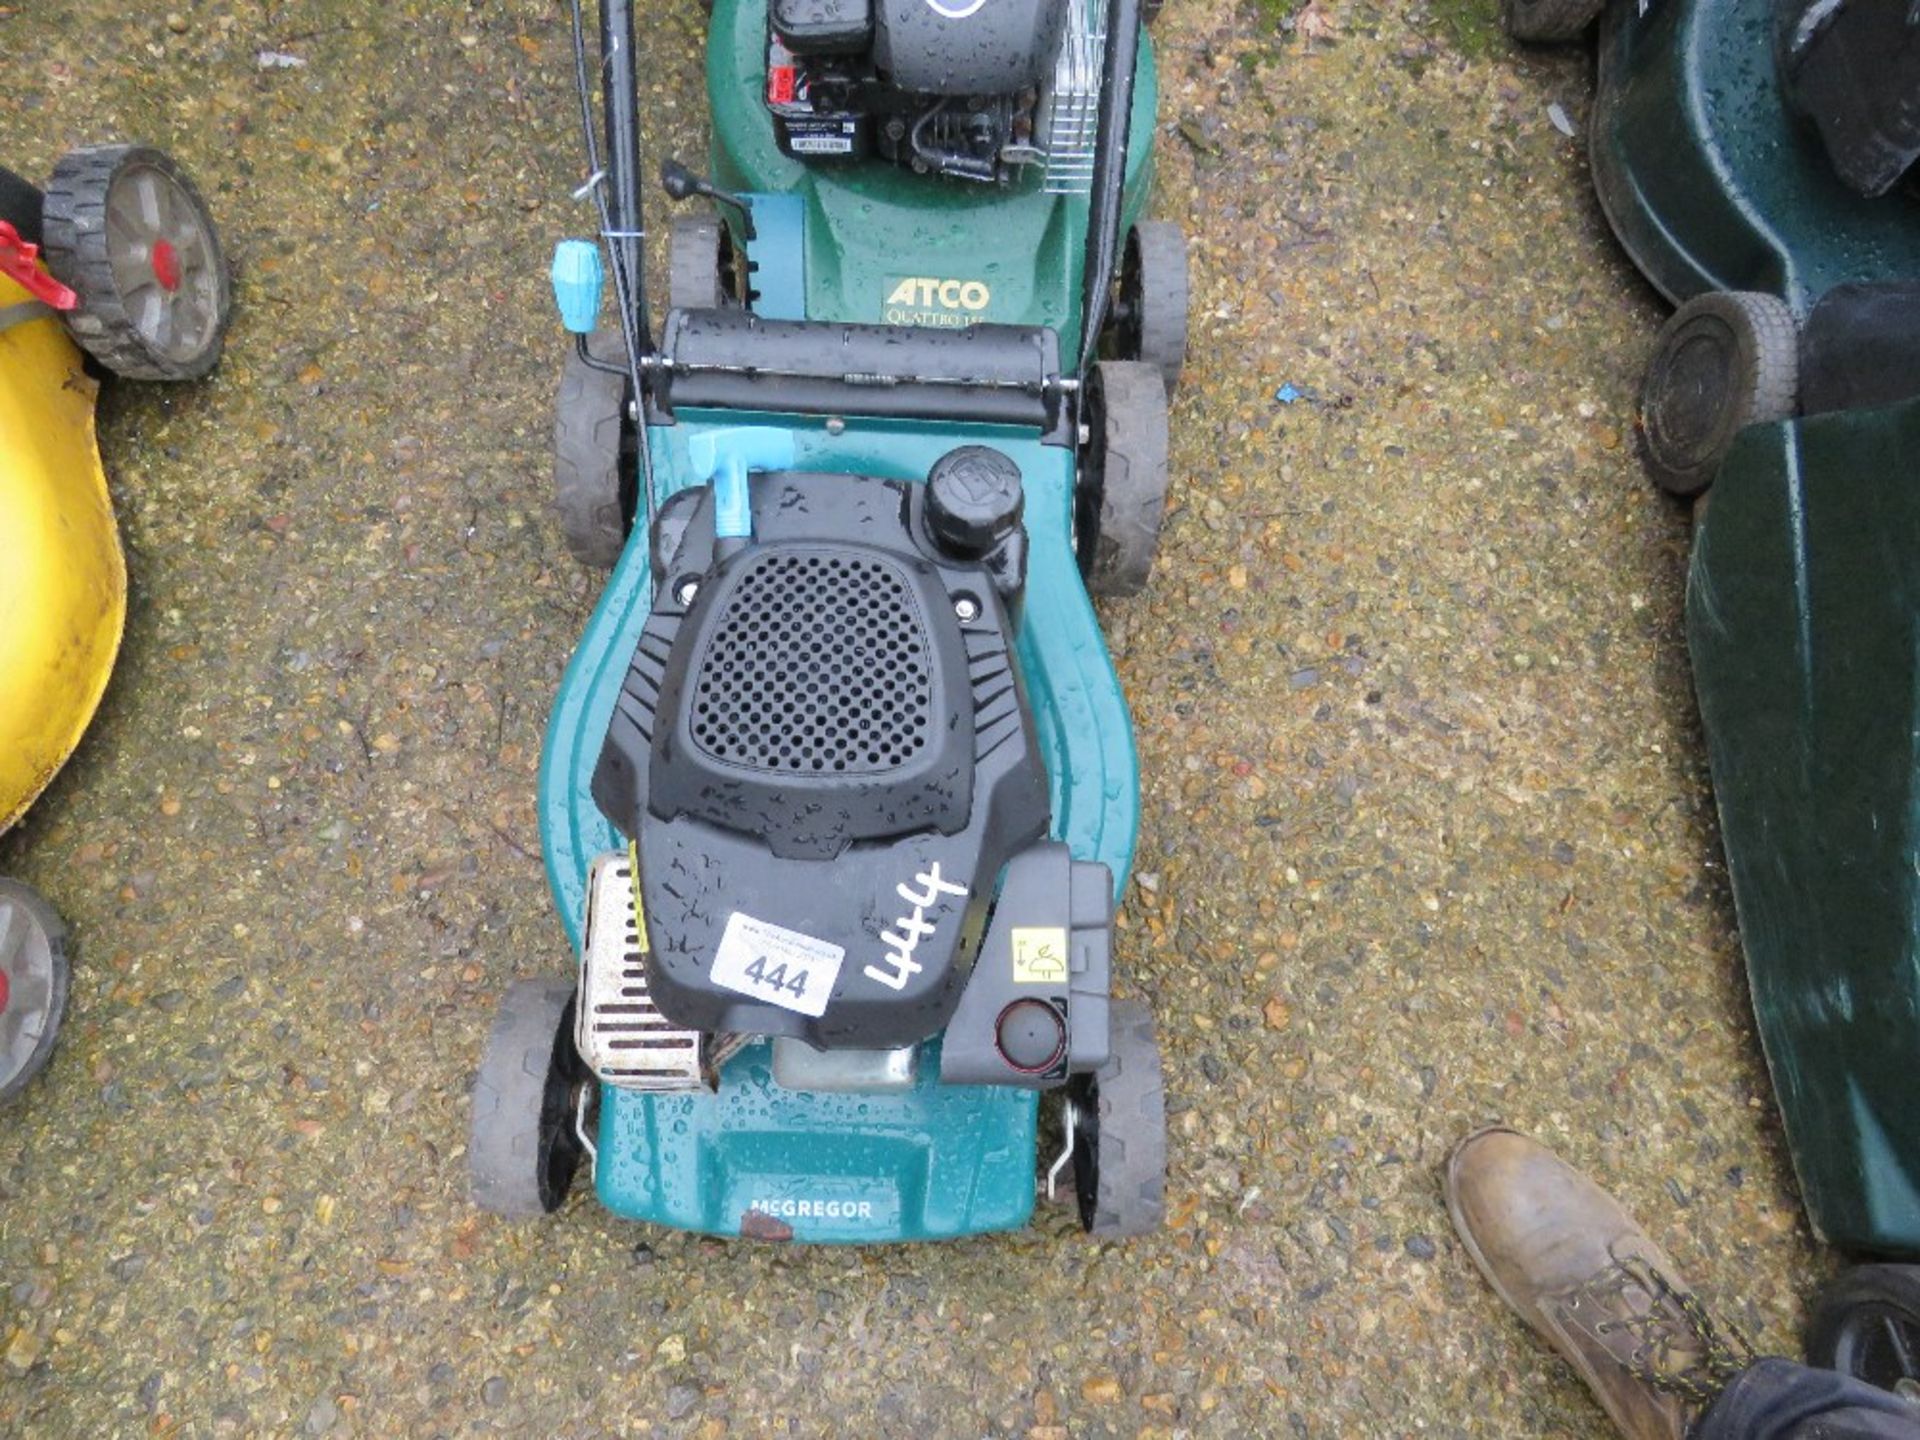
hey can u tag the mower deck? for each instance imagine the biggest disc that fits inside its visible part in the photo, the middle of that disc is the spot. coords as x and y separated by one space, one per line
1692 148
1802 625
927 1163
882 245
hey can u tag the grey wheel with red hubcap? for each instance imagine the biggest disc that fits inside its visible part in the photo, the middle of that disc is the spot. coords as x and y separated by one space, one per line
128 232
34 979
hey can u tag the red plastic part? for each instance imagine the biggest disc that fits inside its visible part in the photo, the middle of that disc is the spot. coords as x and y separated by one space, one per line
781 84
20 262
166 265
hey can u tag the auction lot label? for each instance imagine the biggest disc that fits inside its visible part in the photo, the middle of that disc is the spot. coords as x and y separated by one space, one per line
779 966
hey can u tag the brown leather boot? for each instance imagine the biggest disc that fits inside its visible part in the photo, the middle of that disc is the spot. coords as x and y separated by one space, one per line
1563 1253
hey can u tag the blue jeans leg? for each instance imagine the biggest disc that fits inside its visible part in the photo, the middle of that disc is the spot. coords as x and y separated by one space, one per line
1779 1400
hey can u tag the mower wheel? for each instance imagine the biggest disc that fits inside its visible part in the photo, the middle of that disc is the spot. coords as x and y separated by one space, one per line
595 454
1867 1324
127 230
34 979
1549 22
1120 1132
1150 316
703 270
1725 360
524 1151
1121 493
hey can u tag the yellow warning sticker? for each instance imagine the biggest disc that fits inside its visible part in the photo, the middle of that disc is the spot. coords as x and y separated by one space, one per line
639 915
1039 955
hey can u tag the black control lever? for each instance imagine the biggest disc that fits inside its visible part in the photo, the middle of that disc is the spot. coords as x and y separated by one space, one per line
680 183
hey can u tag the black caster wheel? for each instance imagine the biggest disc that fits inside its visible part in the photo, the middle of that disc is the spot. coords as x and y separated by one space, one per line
1150 312
1724 361
525 1150
596 454
1549 22
1119 1119
1121 491
1867 1324
34 979
703 268
128 232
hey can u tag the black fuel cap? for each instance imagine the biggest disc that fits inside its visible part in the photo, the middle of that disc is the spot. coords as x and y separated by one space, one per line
1031 1036
973 498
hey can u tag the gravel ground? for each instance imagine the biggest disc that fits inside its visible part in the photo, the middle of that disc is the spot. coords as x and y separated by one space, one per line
1428 840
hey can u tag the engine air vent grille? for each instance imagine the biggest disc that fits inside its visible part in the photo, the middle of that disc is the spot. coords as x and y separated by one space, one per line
818 666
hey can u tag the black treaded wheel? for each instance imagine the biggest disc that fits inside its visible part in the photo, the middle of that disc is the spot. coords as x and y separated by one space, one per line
1724 360
1549 22
595 454
1150 312
127 230
1120 1132
1866 1324
1121 492
524 1151
703 270
35 977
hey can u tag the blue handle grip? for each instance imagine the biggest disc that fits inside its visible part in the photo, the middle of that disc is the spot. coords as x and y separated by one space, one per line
578 276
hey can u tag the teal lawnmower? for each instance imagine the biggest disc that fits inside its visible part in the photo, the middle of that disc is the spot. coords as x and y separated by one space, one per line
1750 155
840 787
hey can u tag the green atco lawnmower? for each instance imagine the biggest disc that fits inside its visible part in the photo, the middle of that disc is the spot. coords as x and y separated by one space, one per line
840 787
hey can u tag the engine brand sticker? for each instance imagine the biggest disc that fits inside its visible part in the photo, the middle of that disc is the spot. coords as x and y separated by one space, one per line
930 300
777 966
788 1208
1039 955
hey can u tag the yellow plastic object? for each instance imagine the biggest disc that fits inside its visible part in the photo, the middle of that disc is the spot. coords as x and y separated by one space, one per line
63 578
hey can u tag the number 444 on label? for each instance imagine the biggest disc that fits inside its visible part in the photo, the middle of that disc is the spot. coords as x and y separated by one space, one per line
777 966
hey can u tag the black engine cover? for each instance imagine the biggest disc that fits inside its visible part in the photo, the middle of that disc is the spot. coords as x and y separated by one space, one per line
825 767
967 47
